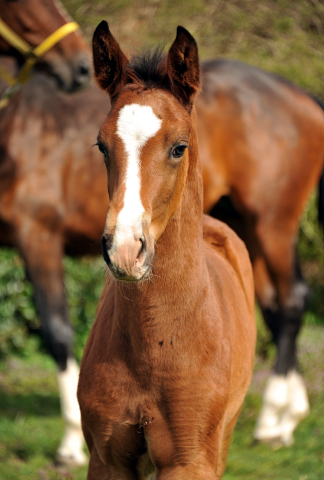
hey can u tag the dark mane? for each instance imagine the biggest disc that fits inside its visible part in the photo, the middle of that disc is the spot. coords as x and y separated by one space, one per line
147 68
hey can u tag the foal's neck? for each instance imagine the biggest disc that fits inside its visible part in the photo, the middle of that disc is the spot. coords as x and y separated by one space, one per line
178 269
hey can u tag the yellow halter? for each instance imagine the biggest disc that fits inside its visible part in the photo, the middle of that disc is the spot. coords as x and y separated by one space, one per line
31 55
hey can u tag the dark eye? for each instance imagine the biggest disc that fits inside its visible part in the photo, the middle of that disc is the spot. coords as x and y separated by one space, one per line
178 151
102 149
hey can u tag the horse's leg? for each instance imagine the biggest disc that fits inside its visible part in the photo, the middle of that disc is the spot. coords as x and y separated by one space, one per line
283 300
227 437
186 472
97 470
42 252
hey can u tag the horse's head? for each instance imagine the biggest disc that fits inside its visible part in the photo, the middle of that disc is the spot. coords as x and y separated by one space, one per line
34 21
147 141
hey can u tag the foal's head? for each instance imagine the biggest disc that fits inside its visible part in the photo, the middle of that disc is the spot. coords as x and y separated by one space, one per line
147 141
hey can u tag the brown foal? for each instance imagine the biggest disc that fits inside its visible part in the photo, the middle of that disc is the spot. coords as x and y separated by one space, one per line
170 356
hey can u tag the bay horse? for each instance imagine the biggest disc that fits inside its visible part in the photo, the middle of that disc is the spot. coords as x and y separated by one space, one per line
53 200
170 355
30 30
262 144
33 30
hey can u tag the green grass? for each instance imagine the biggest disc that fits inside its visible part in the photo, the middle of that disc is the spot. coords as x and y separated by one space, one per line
31 426
305 459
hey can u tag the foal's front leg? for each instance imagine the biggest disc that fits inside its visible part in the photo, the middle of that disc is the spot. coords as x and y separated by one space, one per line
178 457
42 251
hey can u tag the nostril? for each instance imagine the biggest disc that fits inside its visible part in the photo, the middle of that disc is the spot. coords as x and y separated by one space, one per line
143 241
83 70
106 243
142 250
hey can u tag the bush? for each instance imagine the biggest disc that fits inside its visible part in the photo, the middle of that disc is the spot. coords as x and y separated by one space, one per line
18 318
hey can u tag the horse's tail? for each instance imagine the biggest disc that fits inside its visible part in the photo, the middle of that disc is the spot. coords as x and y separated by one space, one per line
321 182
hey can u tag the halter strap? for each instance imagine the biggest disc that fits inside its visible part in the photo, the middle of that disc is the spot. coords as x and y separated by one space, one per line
54 38
13 39
31 55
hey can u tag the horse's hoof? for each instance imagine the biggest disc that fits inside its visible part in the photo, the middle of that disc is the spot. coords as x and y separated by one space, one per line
78 459
275 442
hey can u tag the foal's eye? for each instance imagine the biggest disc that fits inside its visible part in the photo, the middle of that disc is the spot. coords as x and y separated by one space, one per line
178 151
101 149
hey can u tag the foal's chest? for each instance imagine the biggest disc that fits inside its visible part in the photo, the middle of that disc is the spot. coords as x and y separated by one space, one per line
150 417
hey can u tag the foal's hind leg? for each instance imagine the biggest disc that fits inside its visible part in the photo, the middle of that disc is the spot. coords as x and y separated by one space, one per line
42 252
285 401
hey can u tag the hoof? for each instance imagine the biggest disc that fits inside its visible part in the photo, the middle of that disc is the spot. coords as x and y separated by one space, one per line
275 442
285 405
71 460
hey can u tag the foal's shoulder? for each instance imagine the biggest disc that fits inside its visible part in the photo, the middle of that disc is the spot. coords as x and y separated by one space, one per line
225 242
222 238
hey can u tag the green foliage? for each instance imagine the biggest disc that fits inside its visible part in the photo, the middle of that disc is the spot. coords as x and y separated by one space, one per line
310 242
311 251
84 281
17 310
280 36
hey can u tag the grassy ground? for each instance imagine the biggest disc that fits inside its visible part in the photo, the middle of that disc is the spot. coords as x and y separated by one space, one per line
31 426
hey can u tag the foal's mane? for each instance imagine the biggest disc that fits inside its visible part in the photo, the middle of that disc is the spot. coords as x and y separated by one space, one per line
148 69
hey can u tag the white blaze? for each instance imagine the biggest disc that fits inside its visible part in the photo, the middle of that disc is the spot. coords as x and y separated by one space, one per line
136 124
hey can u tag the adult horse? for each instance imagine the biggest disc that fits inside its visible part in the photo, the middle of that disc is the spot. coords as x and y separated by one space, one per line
34 30
53 200
169 358
262 143
29 31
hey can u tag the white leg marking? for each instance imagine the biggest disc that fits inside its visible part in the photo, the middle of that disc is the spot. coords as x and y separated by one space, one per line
71 449
275 400
298 407
136 124
285 404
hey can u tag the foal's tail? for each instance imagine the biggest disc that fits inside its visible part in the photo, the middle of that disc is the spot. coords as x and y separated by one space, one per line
321 183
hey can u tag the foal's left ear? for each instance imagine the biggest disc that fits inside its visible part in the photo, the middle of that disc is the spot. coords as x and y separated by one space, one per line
108 59
183 67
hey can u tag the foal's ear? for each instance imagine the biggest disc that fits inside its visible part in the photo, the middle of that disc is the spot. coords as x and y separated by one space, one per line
108 59
183 67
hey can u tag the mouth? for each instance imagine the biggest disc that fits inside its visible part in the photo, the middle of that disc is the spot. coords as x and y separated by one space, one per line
131 277
69 79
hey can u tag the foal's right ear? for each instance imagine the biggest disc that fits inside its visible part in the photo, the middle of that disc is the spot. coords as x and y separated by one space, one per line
108 59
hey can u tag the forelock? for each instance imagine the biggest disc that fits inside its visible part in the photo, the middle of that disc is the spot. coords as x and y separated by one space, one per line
148 69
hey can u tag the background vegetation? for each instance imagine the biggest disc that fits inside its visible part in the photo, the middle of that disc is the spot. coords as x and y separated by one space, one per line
281 36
